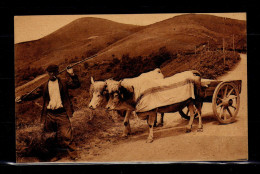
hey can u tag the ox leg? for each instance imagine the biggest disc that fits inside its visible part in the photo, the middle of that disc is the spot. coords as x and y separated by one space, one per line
128 124
200 127
127 129
155 121
161 122
150 121
191 109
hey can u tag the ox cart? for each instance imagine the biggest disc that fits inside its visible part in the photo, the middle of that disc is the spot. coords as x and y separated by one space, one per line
224 96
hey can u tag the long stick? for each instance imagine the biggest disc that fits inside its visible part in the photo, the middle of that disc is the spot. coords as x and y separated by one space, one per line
95 55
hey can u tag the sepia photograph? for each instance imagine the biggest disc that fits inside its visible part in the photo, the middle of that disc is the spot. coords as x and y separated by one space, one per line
131 88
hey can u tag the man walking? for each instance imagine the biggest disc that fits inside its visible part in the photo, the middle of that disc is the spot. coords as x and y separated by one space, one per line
57 108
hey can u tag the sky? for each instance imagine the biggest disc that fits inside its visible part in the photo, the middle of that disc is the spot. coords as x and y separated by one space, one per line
28 28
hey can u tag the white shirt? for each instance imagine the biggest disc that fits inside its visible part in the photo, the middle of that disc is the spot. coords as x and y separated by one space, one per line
55 98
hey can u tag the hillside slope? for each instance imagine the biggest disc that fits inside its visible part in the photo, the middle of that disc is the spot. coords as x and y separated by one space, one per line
182 34
79 38
87 36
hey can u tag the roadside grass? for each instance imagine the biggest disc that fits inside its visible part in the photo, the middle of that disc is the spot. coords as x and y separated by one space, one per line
209 64
89 125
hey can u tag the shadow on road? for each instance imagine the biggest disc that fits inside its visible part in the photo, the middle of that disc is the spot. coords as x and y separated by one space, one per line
170 130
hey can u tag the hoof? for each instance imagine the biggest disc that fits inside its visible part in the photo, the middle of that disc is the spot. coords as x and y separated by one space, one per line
188 129
160 125
149 140
200 130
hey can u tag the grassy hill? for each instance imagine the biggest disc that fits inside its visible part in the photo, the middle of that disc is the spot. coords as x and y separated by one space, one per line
78 39
128 51
182 34
86 36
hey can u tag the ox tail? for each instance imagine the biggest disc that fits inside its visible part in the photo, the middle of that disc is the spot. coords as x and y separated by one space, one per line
197 85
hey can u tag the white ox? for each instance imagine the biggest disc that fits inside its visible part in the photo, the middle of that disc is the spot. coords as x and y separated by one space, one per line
127 94
98 93
100 96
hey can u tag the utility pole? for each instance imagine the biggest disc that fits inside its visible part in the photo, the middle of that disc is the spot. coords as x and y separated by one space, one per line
224 51
224 42
233 45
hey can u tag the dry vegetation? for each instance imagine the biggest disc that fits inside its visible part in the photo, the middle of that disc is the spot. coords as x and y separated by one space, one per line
132 51
87 36
209 64
30 141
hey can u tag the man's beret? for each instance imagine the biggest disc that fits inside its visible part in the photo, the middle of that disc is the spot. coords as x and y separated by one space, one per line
52 68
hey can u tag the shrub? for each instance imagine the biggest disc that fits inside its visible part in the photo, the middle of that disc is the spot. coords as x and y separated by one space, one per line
115 61
86 65
134 66
27 113
108 69
29 73
73 60
33 142
210 65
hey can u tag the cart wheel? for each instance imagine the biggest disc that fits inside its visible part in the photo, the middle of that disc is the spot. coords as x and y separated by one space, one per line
225 102
185 113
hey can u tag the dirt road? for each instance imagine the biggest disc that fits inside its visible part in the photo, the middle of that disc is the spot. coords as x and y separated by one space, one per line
171 143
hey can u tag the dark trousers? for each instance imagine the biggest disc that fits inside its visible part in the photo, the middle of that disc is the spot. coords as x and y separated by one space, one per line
61 125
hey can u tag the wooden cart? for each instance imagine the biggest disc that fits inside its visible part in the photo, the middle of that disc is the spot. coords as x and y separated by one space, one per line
225 98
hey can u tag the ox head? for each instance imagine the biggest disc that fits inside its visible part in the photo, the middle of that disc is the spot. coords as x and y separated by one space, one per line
99 94
120 97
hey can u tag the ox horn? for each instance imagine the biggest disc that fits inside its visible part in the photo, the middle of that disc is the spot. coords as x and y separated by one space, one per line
92 80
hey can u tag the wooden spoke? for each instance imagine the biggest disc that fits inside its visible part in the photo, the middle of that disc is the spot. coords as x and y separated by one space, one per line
233 107
219 99
221 111
220 105
230 92
233 97
225 93
230 113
